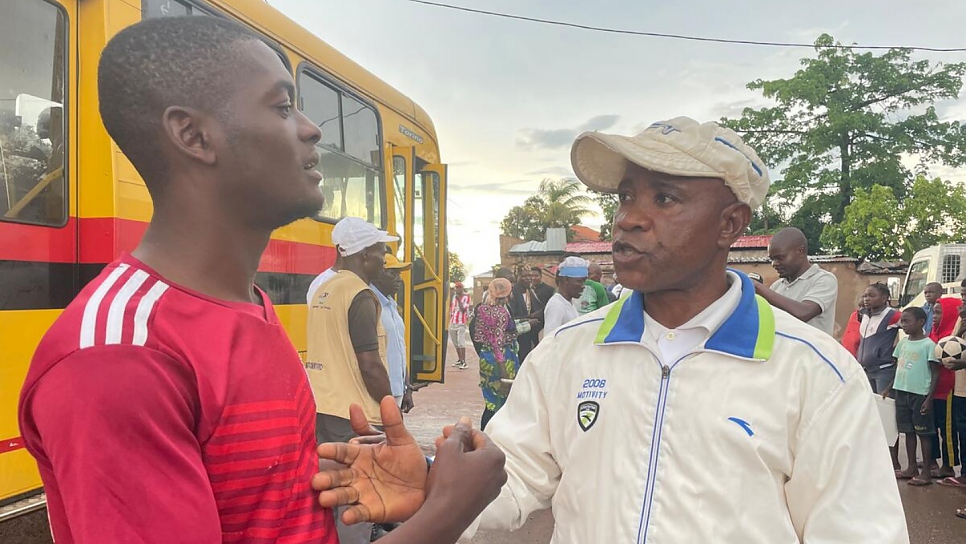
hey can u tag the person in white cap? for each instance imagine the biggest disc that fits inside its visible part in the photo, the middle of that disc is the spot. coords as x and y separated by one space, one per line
704 415
560 309
347 359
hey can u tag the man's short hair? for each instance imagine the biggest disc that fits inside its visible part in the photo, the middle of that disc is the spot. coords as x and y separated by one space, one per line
158 63
505 273
916 312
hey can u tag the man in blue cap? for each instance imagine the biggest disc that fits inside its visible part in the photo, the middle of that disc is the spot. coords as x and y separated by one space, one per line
571 275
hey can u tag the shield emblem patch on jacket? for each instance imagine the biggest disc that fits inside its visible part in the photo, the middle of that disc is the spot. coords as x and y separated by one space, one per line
587 414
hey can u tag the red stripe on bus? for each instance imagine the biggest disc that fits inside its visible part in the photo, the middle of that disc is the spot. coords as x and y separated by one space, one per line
20 242
11 444
103 239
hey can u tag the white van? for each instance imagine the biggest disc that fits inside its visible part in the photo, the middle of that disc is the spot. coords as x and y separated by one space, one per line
943 263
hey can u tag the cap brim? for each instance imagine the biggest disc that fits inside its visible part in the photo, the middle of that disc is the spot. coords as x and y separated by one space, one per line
387 238
399 266
600 160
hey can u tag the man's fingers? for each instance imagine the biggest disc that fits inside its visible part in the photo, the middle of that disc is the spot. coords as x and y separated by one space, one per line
396 433
360 425
480 441
368 440
356 514
461 436
338 452
340 496
447 430
333 479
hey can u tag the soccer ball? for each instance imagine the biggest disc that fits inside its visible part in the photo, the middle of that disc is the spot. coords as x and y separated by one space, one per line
951 348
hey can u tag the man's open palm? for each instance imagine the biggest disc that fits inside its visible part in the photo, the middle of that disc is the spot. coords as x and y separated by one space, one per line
384 482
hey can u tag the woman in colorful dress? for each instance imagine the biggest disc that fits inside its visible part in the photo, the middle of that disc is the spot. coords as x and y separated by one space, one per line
496 334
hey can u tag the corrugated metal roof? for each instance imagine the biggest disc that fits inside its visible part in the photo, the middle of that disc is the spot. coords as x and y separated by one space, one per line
529 247
589 247
811 258
752 242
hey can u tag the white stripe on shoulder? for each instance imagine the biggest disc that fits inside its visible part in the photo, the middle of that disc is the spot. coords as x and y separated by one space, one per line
143 313
89 321
115 315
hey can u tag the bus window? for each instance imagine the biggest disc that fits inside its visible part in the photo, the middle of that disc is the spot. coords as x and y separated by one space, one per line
350 162
33 128
168 8
320 103
361 131
915 282
399 197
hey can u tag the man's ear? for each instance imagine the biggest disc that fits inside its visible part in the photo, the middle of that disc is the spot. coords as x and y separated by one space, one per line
190 132
735 219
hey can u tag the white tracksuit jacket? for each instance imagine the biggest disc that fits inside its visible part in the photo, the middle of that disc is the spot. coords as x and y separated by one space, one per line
766 434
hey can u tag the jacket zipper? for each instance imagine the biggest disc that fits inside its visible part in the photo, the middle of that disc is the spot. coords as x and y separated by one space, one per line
654 453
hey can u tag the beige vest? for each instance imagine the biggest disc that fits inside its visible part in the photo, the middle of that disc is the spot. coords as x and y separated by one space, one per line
331 363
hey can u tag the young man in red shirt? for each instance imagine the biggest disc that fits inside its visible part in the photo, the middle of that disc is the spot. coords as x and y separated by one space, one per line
167 402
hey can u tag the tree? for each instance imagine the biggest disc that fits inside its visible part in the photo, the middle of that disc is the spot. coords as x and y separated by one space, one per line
608 205
843 121
556 204
525 221
457 270
565 202
878 225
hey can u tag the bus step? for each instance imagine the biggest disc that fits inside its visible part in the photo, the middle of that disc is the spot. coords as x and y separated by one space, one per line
22 507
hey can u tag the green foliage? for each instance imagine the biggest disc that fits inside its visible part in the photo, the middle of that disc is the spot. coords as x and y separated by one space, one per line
841 124
608 204
457 270
878 225
556 204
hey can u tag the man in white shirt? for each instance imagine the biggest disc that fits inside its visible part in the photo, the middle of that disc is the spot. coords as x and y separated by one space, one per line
803 289
705 415
339 232
560 309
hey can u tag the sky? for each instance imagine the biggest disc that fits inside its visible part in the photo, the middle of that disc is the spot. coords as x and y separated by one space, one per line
508 97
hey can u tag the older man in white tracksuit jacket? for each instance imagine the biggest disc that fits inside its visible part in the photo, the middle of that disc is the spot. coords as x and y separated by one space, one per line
703 415
689 412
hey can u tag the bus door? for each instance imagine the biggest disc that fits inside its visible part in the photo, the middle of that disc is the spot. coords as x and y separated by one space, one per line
401 161
426 249
38 227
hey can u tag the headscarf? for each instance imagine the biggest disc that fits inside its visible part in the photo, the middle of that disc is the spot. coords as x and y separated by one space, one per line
945 326
499 289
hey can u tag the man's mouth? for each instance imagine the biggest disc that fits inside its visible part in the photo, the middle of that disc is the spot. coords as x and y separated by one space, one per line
625 249
313 162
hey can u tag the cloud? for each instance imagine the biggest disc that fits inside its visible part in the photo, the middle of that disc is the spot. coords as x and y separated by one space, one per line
517 187
558 171
600 122
536 138
735 108
558 138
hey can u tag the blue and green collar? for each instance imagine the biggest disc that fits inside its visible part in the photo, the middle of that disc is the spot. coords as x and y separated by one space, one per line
749 332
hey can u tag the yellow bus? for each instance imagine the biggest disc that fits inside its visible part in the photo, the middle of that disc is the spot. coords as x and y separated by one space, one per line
70 202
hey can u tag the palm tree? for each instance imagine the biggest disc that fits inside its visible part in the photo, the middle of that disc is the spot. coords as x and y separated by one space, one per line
565 202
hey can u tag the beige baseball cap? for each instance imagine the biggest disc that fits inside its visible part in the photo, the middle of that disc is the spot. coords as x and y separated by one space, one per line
678 147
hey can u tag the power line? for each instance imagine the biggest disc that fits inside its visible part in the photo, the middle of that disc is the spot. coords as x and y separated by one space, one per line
682 36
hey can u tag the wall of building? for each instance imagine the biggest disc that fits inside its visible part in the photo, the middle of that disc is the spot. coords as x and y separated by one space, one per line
851 285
